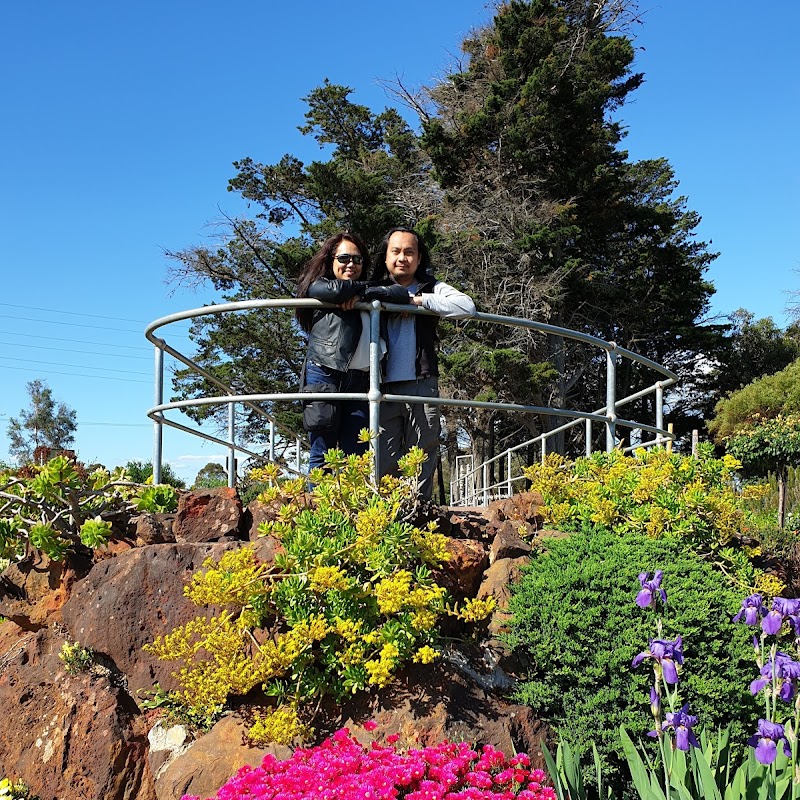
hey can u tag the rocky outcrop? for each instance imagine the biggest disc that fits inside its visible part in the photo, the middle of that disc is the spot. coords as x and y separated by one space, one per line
87 735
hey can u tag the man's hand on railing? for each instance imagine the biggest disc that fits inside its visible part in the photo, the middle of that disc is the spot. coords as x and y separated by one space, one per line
388 294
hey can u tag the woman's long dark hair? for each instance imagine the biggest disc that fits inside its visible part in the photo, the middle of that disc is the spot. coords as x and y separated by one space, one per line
320 265
380 274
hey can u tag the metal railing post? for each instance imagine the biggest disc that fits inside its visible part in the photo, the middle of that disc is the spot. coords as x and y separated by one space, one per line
272 440
510 488
588 438
544 448
611 397
659 408
232 448
158 428
485 479
374 395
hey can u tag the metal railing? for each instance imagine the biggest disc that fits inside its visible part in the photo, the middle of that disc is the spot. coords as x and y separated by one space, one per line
470 487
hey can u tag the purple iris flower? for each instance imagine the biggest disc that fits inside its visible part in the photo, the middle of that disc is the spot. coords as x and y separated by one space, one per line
782 608
786 670
767 739
650 590
681 722
665 653
752 608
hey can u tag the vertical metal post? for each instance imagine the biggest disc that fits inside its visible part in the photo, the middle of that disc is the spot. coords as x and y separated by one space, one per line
485 479
508 475
659 410
158 428
232 448
695 441
544 448
374 395
588 438
611 397
298 446
272 440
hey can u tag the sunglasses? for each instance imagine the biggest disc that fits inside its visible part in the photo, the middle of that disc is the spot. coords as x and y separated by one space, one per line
346 258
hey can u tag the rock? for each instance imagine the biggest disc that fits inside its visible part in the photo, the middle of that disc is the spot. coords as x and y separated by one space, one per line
154 528
33 591
466 522
126 602
507 542
72 736
212 760
427 706
258 512
206 515
523 507
166 744
461 575
497 581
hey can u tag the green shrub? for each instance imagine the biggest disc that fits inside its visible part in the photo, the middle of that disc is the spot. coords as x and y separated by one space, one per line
574 616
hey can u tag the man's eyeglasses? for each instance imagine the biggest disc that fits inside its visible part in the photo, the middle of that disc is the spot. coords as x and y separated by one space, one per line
346 258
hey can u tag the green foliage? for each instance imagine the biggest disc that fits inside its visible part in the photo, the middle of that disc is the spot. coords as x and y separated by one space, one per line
57 507
75 657
43 424
211 476
574 617
142 472
175 711
155 499
767 444
764 398
349 599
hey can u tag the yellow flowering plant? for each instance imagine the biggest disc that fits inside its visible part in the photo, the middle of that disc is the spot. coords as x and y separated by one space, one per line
349 599
654 493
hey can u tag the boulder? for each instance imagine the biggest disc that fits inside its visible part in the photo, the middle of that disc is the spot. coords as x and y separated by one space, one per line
207 515
154 528
461 574
71 736
210 761
126 602
522 507
508 543
33 591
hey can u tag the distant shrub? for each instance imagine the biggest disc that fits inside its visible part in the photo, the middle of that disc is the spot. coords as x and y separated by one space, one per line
574 617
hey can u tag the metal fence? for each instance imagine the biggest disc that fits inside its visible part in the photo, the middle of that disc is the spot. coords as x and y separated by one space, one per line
471 484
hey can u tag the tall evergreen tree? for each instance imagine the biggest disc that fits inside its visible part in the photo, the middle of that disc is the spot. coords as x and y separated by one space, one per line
44 423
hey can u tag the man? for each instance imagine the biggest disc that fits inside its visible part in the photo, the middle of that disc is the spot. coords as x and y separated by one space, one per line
412 367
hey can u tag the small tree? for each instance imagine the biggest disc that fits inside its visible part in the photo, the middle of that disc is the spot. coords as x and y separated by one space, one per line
142 471
760 425
43 424
769 445
211 476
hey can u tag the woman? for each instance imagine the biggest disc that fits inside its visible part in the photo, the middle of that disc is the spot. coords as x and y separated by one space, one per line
332 275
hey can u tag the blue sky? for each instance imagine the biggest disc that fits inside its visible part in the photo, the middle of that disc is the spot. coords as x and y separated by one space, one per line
121 122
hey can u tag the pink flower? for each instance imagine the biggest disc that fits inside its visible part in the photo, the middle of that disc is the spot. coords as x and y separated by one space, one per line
370 725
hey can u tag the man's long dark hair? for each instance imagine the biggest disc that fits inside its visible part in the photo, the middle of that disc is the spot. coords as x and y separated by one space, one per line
380 274
320 265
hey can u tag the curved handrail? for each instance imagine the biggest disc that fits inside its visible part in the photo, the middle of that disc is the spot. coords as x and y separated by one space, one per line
606 415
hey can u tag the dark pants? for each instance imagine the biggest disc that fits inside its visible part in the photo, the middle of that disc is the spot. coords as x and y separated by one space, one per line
353 417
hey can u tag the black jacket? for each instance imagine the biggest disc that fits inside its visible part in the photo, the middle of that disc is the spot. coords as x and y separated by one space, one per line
334 333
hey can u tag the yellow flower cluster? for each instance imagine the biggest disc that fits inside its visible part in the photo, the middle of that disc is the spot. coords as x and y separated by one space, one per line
323 578
474 610
392 593
431 545
424 655
769 585
281 726
347 629
380 669
233 580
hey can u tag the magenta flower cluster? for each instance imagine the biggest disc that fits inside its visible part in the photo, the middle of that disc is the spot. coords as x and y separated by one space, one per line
341 768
